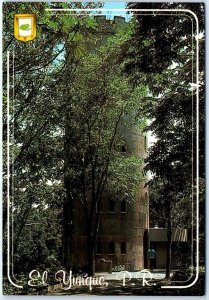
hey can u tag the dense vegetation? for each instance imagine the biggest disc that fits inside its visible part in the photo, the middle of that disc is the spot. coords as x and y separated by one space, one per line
75 87
166 57
68 118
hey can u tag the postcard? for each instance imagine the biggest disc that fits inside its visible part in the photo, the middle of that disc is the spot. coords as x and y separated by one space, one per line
103 148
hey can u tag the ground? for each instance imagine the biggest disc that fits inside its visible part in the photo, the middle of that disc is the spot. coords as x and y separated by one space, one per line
122 283
119 283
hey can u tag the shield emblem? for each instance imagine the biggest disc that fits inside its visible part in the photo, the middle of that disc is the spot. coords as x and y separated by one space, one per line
25 27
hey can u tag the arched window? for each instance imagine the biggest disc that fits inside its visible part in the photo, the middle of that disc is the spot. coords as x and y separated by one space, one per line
123 206
123 148
99 247
123 248
146 197
145 143
111 205
111 247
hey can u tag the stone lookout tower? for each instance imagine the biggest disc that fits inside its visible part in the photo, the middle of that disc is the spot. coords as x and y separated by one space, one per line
122 226
121 237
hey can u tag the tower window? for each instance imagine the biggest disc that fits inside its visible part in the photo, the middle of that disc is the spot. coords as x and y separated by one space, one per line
111 248
146 197
145 143
111 205
99 248
123 248
123 206
123 148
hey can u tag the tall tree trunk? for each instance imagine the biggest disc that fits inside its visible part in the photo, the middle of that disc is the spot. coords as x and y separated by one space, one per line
66 236
90 255
169 237
68 205
68 221
21 227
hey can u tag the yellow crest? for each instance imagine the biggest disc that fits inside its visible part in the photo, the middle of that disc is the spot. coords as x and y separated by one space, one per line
25 27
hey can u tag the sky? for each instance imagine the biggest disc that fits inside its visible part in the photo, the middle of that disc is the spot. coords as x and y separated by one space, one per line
118 5
115 5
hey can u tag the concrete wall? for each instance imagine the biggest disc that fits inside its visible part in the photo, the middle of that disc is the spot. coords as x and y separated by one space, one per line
160 235
161 256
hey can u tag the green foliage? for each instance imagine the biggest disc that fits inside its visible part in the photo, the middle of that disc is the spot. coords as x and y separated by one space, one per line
71 106
91 23
41 239
164 50
124 177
